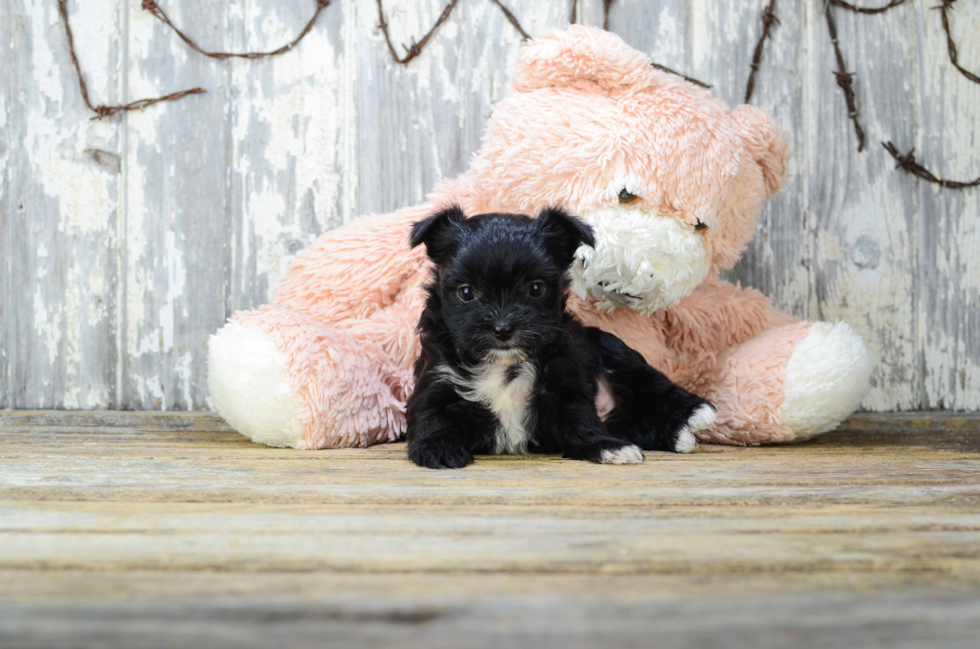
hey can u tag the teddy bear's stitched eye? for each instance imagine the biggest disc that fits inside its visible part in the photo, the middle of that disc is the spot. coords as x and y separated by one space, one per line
536 289
626 197
466 293
700 226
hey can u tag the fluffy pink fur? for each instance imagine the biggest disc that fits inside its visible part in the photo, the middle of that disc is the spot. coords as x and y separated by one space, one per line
585 113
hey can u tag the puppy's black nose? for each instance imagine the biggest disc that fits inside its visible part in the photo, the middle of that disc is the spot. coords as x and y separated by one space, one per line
503 329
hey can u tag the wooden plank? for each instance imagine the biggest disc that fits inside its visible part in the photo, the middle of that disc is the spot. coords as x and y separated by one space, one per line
128 241
292 130
948 283
723 41
406 114
119 526
6 208
590 13
177 211
194 465
61 194
863 216
61 587
845 620
421 123
489 46
531 540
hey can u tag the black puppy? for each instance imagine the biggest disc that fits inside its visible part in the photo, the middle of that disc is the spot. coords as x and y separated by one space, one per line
506 369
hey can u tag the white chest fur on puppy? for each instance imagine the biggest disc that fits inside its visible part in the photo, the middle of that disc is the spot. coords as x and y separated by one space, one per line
504 387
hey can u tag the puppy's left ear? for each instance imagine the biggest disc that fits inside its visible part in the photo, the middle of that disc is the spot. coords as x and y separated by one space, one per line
439 233
564 234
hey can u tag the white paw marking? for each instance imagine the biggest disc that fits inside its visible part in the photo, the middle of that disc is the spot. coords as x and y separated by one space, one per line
827 376
626 455
686 441
703 418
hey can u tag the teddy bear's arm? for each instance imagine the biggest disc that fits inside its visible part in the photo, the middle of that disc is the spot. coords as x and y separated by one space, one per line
355 270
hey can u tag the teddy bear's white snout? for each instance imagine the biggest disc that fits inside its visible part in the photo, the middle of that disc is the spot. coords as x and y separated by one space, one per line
641 259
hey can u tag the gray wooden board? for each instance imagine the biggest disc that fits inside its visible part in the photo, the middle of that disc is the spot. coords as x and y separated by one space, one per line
843 621
128 241
122 529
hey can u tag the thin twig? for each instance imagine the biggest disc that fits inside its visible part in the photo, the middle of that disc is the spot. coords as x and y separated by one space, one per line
906 162
160 14
944 9
102 110
867 10
664 68
574 17
605 13
909 164
768 20
512 19
845 79
416 48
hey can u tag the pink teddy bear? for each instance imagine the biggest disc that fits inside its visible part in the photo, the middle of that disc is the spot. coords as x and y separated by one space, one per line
673 183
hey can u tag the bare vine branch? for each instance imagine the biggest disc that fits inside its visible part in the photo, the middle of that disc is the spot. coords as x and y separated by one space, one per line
944 9
159 14
768 20
664 68
908 164
606 4
102 110
416 47
845 79
867 10
512 19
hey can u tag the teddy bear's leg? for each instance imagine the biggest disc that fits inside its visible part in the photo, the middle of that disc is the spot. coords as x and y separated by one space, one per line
282 379
788 384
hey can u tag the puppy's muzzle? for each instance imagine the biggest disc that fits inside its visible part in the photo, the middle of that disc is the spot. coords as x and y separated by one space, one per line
503 330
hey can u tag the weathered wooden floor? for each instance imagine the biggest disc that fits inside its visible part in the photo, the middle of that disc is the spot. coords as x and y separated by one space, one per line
126 530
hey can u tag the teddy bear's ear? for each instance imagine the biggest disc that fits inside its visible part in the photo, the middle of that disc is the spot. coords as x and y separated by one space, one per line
579 56
765 143
564 234
439 233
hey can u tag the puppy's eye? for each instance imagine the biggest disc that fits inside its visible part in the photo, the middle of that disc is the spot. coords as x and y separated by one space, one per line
700 226
466 293
626 197
536 289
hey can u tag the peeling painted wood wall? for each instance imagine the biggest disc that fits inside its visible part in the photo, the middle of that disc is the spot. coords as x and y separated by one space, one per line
127 241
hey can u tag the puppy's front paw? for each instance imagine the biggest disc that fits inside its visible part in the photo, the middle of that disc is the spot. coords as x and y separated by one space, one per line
630 454
439 455
702 418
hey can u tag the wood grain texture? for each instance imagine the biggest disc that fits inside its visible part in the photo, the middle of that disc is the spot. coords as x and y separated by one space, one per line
949 225
171 530
864 238
62 195
6 214
128 241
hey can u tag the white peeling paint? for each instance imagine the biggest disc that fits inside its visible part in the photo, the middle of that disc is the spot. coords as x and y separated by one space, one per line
290 135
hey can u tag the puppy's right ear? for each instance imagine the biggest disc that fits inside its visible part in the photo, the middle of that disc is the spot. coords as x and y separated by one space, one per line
439 233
